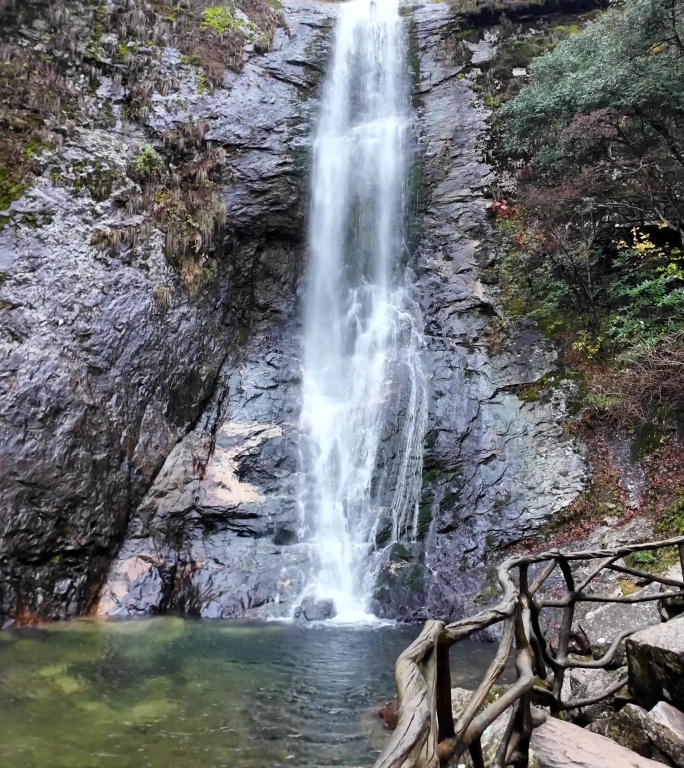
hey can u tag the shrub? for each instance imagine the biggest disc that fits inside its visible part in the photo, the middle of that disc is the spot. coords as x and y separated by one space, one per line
147 164
644 558
606 108
218 18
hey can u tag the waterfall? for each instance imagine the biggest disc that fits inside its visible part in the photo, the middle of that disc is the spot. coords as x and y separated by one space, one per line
364 401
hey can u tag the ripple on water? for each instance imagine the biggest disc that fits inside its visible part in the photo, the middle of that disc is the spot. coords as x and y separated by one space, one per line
169 692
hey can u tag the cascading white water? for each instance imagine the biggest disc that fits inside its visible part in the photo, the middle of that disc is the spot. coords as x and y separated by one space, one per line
363 411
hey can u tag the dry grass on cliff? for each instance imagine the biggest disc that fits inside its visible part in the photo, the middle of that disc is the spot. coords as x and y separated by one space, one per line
33 95
645 384
217 42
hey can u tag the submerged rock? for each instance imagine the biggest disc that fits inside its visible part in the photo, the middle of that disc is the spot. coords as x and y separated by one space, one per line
389 714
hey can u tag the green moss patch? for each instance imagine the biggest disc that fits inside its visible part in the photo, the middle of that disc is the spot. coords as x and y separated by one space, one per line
220 19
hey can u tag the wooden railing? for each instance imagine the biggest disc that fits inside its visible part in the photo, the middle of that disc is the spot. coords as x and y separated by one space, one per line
426 735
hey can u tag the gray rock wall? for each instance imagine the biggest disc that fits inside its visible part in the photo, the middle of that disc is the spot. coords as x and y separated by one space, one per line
216 534
101 379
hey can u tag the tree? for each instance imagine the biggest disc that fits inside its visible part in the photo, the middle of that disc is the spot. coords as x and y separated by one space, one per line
605 108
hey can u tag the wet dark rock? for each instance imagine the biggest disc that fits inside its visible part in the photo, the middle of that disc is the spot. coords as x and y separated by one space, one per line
98 383
217 534
315 610
101 380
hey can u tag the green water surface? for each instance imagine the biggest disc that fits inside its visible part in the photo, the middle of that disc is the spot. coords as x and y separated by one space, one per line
170 692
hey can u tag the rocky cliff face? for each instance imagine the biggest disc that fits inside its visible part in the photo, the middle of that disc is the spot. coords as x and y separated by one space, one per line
496 466
110 358
153 436
216 534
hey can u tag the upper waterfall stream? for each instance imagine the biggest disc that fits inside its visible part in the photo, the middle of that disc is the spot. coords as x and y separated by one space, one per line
364 396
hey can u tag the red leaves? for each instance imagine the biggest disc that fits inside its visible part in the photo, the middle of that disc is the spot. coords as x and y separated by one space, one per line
503 209
594 127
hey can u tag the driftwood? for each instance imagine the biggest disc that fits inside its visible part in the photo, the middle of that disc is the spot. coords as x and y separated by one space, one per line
426 735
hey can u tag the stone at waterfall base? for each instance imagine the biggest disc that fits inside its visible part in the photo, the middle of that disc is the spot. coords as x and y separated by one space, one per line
580 683
315 610
558 744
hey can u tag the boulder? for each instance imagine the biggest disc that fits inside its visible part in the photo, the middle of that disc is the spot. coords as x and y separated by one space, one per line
629 729
667 731
670 607
587 683
658 734
315 610
602 624
655 659
461 696
559 744
491 737
668 716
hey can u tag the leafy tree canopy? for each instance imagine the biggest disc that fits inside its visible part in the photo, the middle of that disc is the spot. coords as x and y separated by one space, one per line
628 62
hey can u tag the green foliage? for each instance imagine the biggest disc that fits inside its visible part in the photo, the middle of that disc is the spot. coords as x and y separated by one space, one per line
628 59
202 84
657 561
604 115
518 46
648 290
220 19
535 284
599 134
588 344
11 189
148 163
671 521
644 558
635 297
